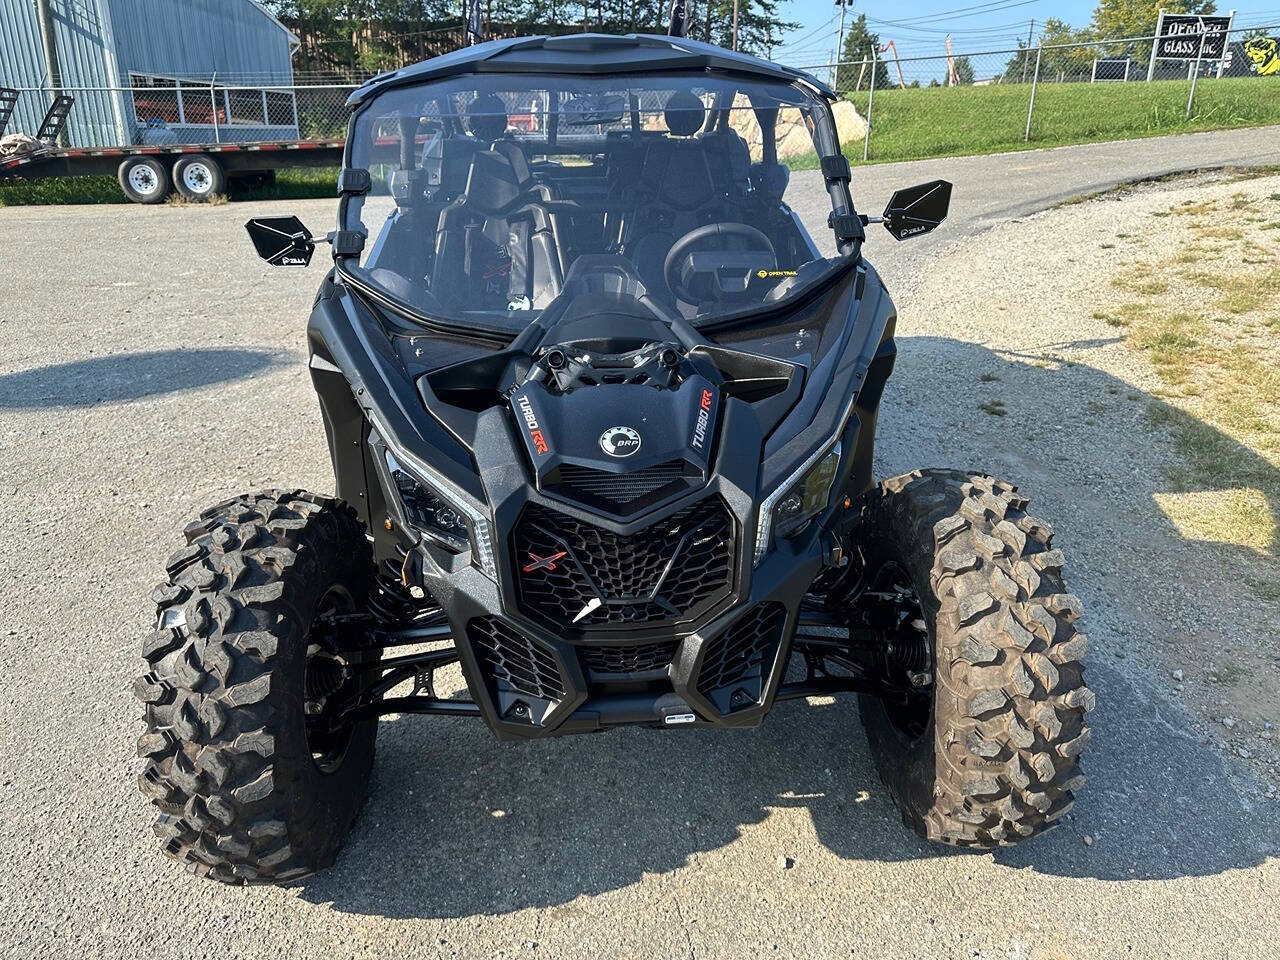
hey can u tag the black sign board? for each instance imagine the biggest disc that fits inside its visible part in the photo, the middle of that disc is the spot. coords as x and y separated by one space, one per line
1112 69
1181 33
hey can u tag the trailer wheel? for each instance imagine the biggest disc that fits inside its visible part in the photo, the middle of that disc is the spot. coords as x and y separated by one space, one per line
144 179
199 177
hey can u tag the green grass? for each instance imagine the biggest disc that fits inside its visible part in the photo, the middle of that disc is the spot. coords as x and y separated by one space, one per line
910 124
302 183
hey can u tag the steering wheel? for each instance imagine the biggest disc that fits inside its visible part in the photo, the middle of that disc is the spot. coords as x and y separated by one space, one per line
695 277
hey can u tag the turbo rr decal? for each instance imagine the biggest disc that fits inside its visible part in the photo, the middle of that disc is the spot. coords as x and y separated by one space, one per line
702 421
536 436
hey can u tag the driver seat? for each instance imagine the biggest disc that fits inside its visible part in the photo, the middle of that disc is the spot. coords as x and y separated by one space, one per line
676 191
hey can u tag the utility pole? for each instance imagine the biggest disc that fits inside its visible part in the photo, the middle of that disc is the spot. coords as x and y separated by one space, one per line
951 65
1027 55
735 24
49 41
839 51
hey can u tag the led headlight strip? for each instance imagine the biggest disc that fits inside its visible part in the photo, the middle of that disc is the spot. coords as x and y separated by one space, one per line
477 520
764 526
764 523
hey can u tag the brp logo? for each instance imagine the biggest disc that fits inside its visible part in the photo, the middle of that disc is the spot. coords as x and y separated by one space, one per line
619 441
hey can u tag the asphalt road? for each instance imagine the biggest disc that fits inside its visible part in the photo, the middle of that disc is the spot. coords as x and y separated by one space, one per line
149 365
1001 187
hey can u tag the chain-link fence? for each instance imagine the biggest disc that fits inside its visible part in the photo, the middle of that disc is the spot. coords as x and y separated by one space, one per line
171 110
916 106
963 103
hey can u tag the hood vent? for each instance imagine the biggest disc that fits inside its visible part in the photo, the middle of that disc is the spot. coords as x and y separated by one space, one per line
616 490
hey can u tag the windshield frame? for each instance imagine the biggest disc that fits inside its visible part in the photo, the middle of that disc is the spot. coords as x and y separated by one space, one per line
826 144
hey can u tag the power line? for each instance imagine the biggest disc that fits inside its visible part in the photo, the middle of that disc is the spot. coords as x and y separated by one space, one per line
800 40
991 6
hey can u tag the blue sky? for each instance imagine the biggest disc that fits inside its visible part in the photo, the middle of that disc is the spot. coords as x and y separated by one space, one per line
920 28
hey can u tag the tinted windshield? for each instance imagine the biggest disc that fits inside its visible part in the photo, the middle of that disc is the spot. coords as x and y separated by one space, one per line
494 197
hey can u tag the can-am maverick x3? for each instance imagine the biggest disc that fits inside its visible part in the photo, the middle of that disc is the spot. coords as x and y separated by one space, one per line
601 414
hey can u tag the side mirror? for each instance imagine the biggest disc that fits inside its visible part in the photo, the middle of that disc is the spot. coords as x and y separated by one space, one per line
916 210
281 241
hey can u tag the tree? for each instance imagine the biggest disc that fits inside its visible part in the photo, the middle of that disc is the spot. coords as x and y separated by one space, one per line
1066 51
1117 19
759 24
1021 65
859 45
964 71
357 36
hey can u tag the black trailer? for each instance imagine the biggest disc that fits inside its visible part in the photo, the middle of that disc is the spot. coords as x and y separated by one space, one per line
149 173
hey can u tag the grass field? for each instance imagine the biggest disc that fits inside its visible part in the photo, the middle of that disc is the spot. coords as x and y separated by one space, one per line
295 184
915 123
1208 319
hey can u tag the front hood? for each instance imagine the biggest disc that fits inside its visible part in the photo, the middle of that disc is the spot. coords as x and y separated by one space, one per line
618 447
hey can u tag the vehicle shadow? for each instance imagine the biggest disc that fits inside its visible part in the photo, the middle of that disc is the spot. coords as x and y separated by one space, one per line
118 378
459 825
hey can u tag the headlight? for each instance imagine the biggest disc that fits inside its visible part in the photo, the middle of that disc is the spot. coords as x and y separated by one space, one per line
800 498
427 512
437 512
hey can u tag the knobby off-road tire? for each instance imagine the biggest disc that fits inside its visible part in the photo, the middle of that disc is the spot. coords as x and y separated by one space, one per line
228 761
999 760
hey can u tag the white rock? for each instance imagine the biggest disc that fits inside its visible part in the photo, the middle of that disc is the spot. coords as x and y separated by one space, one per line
1177 675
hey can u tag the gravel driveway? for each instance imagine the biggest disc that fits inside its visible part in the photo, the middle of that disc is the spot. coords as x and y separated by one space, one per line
148 366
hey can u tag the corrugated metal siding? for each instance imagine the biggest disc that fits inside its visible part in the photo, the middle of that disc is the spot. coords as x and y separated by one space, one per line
79 28
22 62
195 38
183 38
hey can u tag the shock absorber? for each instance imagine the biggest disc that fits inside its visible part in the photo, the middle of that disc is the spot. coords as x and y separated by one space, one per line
391 600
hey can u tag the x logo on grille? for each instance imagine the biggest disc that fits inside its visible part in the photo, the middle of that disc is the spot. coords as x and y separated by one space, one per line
543 563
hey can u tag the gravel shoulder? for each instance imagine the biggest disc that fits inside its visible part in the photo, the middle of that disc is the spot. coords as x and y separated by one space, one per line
149 366
1024 330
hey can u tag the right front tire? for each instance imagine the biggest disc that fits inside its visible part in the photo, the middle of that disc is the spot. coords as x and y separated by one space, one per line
248 785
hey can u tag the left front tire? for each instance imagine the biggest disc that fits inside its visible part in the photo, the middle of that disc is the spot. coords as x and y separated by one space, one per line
249 785
989 754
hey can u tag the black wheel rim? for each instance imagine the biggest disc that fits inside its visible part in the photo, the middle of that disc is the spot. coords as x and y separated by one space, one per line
328 686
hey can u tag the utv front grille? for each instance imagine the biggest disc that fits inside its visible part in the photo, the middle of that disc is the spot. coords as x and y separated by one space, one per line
577 575
620 492
635 658
737 661
514 662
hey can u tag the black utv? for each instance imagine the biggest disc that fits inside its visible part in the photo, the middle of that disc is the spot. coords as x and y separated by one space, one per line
601 415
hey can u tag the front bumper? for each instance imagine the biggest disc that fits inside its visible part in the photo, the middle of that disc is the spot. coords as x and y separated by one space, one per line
722 668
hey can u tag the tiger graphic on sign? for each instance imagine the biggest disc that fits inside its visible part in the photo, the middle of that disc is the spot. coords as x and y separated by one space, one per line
1264 55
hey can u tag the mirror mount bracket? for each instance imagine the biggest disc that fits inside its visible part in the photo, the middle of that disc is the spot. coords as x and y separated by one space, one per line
346 243
847 226
354 182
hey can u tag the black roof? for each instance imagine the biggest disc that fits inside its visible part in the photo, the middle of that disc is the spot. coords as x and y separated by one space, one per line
586 53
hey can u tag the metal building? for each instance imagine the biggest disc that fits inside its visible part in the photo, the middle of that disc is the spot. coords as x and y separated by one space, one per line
146 71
